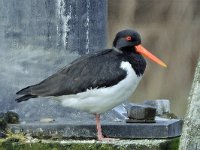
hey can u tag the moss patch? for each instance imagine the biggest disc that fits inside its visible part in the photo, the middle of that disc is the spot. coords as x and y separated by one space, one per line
35 144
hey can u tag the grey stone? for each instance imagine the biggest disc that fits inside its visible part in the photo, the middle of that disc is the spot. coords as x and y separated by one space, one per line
142 113
83 130
162 105
82 125
190 139
127 144
38 38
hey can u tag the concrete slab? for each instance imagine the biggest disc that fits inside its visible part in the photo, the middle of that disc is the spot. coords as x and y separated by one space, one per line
87 130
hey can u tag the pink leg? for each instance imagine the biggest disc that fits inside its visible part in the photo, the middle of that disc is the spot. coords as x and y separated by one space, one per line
99 131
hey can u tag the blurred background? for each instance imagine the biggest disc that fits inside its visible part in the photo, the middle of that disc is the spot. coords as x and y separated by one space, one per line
170 30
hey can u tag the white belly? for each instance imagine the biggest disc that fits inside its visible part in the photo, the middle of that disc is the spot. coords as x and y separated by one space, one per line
103 99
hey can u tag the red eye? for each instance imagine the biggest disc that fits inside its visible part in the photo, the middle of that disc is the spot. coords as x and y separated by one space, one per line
128 38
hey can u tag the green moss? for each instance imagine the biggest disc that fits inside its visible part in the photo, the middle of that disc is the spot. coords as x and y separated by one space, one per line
9 117
3 122
172 144
12 117
13 144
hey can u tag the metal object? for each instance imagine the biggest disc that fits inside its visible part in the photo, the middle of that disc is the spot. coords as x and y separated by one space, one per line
141 113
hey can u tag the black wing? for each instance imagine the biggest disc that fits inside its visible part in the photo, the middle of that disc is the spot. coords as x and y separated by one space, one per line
92 71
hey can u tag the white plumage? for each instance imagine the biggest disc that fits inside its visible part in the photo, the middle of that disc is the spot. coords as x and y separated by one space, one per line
100 100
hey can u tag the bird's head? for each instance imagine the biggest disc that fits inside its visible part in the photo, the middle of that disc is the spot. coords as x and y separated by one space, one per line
130 40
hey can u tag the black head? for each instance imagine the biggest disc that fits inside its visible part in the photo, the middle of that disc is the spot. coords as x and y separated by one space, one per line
129 42
126 38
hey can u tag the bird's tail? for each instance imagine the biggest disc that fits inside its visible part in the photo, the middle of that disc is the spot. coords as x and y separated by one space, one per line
25 98
25 91
27 94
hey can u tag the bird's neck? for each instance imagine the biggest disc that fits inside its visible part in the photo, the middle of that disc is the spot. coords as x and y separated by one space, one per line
136 60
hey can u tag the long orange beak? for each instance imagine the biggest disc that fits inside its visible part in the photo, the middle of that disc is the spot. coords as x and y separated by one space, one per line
140 49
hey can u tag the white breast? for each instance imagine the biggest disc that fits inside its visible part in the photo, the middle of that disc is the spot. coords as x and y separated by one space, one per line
103 99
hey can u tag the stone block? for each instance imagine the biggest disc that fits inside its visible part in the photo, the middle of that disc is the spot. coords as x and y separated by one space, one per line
166 128
141 113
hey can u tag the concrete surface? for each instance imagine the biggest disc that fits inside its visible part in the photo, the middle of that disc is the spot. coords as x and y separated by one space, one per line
166 128
38 38
190 139
35 144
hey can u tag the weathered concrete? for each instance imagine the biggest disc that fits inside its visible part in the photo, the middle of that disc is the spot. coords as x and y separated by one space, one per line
35 144
38 38
190 139
166 128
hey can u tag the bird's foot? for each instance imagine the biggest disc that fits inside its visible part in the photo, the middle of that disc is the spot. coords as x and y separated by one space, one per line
107 139
100 136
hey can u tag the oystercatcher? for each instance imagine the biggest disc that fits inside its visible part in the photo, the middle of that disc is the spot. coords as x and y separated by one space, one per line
97 82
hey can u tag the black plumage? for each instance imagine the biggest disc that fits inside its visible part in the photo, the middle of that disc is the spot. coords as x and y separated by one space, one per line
101 69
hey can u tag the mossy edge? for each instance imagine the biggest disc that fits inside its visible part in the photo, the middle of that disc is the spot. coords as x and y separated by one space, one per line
17 144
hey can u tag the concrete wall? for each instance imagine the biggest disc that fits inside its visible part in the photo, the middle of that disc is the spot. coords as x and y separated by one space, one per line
190 139
37 38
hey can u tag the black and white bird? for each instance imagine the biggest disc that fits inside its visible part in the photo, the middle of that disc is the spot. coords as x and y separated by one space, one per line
97 82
